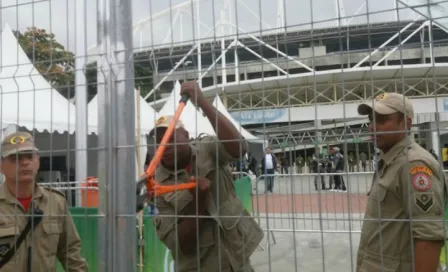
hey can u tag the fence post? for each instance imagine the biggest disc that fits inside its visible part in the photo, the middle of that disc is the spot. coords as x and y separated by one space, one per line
116 138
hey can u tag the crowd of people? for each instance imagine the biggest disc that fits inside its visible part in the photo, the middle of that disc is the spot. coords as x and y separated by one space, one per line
334 164
331 166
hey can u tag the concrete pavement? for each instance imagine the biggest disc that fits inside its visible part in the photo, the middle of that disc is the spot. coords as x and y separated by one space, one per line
308 230
308 242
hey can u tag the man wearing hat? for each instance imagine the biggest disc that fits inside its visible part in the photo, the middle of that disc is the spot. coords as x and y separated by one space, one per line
206 229
36 228
403 228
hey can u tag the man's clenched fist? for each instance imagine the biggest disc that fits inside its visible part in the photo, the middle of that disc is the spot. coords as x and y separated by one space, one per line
192 89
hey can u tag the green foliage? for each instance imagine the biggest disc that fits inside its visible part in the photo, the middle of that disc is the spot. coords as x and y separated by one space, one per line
143 79
91 77
49 57
57 65
142 75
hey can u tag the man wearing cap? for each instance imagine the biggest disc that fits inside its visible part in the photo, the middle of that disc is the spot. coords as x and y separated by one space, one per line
52 235
207 228
403 228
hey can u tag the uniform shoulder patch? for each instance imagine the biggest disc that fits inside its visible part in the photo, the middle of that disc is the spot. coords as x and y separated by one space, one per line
421 182
421 177
424 201
421 169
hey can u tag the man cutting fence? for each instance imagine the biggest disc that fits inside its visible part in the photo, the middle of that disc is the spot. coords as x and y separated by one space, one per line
207 228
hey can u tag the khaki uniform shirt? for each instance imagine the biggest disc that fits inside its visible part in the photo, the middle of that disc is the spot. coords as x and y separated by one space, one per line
54 238
229 234
406 203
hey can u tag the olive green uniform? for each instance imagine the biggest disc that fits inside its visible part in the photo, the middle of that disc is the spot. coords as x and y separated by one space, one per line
406 200
229 235
54 238
299 164
407 194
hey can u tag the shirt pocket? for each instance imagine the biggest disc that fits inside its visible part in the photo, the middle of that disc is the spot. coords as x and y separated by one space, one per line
242 233
8 237
382 203
179 200
52 230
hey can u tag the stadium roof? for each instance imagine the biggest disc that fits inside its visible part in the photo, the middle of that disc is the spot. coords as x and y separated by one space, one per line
330 76
186 22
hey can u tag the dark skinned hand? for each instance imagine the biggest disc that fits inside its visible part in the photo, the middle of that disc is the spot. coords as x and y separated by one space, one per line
203 186
192 89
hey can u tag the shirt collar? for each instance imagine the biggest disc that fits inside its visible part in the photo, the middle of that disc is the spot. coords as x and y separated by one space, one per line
6 194
396 149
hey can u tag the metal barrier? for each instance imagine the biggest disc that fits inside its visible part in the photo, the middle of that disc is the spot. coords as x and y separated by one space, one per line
290 72
296 206
67 185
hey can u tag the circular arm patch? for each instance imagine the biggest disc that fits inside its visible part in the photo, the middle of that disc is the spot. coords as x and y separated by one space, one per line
421 182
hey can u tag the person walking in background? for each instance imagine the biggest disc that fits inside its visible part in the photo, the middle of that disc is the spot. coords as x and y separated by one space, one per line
239 165
284 161
363 158
309 162
268 165
299 164
445 156
338 168
351 162
252 164
328 166
318 167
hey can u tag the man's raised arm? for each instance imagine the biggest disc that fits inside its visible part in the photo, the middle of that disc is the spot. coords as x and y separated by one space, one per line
227 133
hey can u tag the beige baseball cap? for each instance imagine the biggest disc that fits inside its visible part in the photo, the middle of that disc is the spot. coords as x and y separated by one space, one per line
388 103
164 122
18 142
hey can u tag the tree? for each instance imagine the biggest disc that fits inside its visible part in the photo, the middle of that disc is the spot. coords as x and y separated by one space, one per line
57 65
51 59
143 80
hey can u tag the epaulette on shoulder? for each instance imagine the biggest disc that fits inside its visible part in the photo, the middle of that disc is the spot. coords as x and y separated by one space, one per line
54 190
414 153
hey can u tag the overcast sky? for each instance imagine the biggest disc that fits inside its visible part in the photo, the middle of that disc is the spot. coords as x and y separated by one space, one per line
58 16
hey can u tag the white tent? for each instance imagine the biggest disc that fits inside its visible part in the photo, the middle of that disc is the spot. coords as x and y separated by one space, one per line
195 122
26 98
222 109
147 116
147 121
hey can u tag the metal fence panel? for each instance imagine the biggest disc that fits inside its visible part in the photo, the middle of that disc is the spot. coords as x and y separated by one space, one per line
289 75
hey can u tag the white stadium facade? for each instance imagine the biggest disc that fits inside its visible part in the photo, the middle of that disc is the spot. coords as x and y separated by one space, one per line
294 71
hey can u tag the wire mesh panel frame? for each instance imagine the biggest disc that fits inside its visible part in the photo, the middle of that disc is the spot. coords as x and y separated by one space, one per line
116 177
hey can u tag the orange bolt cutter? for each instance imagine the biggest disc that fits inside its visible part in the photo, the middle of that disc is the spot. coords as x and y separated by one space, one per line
152 187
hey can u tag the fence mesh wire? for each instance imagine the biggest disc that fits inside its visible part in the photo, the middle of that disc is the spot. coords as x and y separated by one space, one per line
90 80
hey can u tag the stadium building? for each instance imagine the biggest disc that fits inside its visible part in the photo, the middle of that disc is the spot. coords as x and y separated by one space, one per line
293 73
